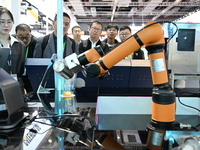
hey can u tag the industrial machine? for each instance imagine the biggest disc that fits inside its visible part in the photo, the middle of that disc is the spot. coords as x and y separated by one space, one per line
183 47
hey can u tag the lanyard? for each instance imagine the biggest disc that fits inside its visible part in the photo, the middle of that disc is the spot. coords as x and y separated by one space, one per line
26 56
64 44
9 62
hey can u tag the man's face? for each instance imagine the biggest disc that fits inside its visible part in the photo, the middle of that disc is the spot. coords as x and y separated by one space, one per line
124 34
66 25
76 33
111 33
95 31
24 36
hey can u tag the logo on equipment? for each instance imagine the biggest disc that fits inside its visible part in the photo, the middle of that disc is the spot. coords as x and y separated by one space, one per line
34 134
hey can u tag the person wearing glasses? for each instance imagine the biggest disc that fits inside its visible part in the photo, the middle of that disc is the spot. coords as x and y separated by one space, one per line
47 46
16 58
95 31
112 31
125 33
23 33
76 32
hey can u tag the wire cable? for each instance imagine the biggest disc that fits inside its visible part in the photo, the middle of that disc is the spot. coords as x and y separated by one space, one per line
71 115
186 104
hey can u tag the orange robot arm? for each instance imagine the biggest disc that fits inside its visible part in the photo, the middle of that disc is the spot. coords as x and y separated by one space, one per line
163 98
152 36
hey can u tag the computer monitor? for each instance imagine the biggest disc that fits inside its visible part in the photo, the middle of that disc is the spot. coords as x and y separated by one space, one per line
4 53
40 72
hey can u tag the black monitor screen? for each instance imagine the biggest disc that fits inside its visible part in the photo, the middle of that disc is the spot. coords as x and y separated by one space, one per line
36 68
186 39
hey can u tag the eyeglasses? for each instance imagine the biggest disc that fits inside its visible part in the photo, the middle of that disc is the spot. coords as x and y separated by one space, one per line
4 22
23 38
114 30
124 34
94 28
66 23
77 31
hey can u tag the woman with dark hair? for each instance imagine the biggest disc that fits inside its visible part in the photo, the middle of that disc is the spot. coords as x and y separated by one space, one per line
16 58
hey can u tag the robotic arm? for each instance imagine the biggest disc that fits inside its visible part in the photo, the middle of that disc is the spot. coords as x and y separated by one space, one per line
97 65
152 37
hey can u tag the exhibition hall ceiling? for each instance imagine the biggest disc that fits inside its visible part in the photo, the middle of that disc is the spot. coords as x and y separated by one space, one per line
138 12
133 11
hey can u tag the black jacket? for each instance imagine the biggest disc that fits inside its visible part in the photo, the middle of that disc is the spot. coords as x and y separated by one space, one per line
17 59
86 45
139 54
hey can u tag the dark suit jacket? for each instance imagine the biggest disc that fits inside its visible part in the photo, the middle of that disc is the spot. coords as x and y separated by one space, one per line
86 45
139 54
50 48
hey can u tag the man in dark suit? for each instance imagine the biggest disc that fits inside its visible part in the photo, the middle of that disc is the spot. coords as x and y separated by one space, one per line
23 33
95 31
47 45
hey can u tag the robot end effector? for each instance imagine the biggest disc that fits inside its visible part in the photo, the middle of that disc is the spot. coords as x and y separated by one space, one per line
76 63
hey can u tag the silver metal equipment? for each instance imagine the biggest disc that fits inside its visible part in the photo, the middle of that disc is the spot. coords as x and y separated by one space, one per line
184 55
184 49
